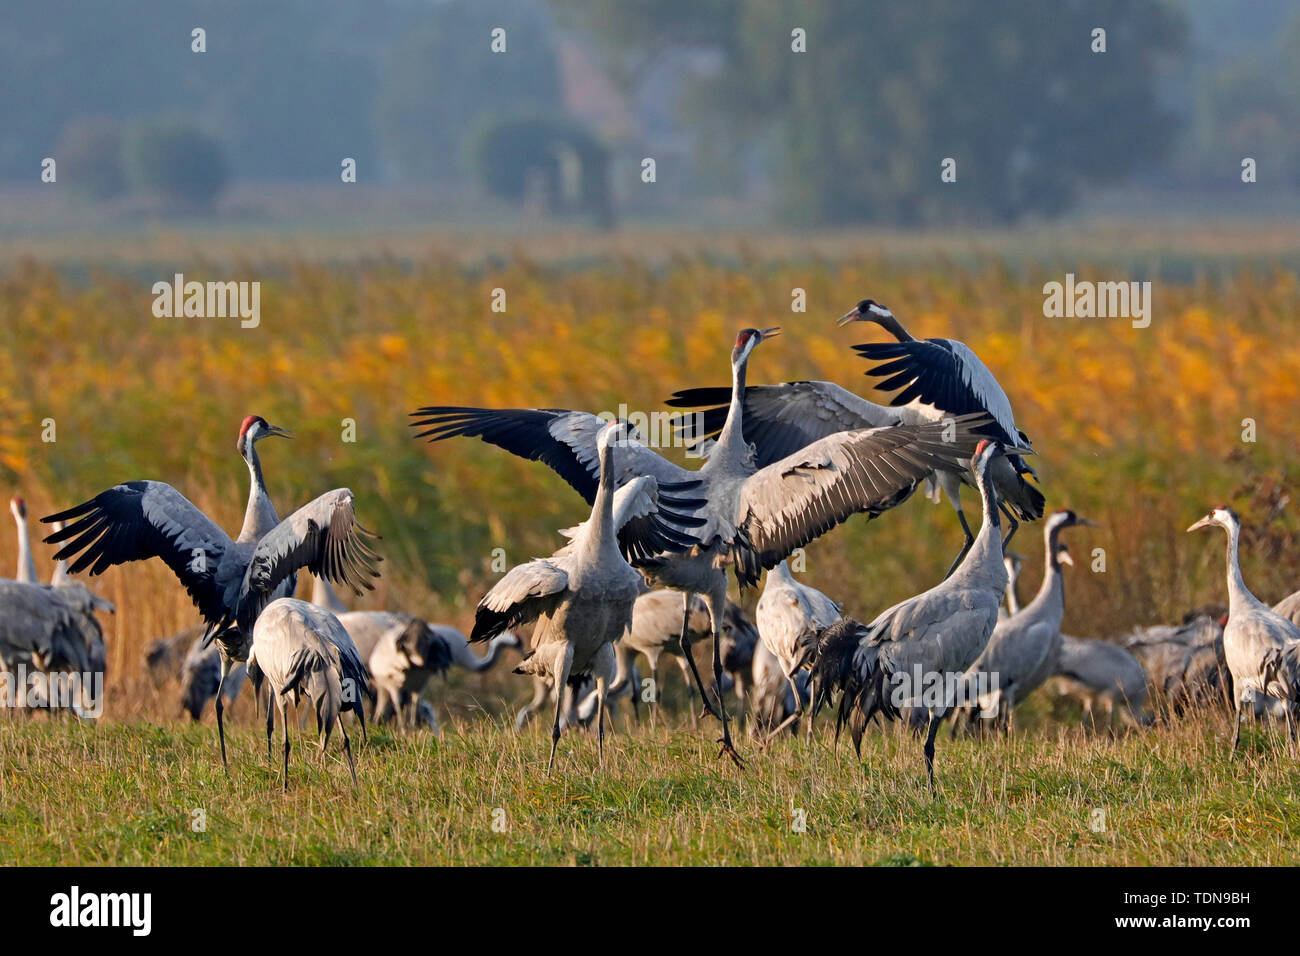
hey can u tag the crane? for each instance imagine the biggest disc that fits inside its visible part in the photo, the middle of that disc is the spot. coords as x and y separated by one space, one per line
1014 564
1184 662
26 569
771 699
1098 671
1262 648
230 582
790 615
408 653
942 377
403 652
1023 649
299 648
582 596
754 516
914 654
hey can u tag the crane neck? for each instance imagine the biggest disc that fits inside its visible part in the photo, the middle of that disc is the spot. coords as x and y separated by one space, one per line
600 541
1013 599
731 448
1051 593
895 328
987 549
259 516
26 572
1238 593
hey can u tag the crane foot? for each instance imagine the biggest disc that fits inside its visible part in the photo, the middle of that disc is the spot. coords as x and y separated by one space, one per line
730 751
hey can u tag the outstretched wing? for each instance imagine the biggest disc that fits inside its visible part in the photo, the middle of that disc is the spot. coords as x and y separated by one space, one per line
946 374
138 520
780 419
563 440
322 536
525 593
788 504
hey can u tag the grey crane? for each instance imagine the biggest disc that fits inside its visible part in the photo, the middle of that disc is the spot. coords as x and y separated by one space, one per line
403 652
582 596
790 615
409 653
230 582
941 377
914 654
1014 564
1100 672
42 642
656 631
299 648
1022 651
26 568
1184 662
1262 648
754 516
772 699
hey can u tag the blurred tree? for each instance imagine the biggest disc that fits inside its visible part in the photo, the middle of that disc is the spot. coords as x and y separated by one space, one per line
860 123
444 75
89 152
553 162
178 161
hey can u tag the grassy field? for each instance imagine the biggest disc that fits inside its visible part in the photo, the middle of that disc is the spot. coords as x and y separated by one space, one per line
126 794
1138 429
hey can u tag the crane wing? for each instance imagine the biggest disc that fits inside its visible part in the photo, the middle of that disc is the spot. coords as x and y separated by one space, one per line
791 502
946 374
781 419
525 593
651 519
138 520
561 439
322 536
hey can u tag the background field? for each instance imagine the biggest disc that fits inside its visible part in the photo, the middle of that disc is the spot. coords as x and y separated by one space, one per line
1139 429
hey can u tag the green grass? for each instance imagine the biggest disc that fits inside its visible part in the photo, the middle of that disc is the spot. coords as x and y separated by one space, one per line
126 793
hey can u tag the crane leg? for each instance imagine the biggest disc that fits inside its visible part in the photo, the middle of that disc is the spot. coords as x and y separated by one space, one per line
970 540
561 678
600 719
790 719
1236 719
1012 525
284 725
347 750
931 733
716 603
270 720
690 658
221 723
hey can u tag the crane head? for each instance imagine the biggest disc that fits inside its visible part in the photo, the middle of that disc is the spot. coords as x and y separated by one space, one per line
747 339
1223 516
868 310
18 507
985 452
255 427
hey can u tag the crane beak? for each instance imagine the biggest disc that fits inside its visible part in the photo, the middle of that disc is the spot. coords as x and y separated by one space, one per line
1203 523
853 315
277 430
1086 523
1063 557
771 333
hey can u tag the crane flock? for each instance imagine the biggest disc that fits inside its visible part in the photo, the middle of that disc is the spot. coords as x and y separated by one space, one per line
648 574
